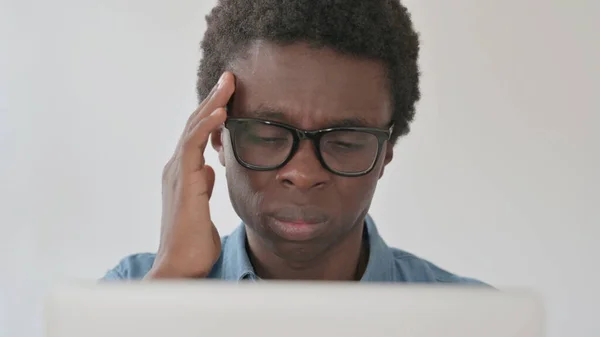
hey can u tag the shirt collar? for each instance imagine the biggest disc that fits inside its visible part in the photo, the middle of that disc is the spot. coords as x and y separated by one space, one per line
381 260
237 266
236 263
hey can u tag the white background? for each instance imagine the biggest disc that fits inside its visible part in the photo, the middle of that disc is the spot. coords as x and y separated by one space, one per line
498 179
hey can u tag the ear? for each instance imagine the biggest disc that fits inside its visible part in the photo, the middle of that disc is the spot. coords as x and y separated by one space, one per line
388 156
216 140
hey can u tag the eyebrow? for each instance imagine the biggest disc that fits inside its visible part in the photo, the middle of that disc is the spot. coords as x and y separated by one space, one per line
279 116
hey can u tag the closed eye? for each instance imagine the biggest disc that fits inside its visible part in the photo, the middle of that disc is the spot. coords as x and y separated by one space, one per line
259 139
347 146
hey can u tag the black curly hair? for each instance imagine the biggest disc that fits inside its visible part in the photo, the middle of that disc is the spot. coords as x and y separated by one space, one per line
379 30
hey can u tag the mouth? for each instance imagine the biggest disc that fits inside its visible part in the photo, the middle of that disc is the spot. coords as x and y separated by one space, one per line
297 224
297 230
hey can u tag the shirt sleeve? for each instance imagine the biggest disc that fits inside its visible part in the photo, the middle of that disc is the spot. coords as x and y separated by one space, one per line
112 275
133 267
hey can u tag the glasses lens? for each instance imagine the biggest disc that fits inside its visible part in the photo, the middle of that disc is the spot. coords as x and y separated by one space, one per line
262 145
349 151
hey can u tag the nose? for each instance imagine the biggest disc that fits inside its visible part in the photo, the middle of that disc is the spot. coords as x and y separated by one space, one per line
304 171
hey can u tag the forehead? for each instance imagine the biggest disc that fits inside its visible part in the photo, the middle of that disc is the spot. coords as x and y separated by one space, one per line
310 88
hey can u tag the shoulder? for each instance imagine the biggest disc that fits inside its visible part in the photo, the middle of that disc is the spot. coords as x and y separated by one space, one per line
136 266
412 268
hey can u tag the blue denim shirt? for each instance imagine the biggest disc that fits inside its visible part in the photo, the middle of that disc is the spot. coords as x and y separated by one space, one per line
386 264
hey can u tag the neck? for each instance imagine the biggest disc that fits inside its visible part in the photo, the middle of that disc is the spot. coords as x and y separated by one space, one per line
344 261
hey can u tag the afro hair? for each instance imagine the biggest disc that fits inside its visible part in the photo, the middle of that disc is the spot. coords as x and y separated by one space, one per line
379 30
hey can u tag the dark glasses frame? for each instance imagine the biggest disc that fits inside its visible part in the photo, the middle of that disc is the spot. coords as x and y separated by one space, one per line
315 136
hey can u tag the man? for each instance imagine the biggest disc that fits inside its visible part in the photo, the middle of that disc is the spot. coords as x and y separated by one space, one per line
311 97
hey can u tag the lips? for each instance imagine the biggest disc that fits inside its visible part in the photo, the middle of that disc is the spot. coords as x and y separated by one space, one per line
299 215
298 223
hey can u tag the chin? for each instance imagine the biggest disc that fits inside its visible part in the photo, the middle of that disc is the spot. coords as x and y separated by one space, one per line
298 252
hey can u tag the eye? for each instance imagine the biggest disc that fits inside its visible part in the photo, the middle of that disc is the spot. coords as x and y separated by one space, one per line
269 139
258 139
346 145
349 141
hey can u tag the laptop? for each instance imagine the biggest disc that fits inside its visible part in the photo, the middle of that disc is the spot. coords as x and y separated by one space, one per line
291 309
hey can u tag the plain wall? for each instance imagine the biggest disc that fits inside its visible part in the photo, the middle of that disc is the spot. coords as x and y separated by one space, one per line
498 179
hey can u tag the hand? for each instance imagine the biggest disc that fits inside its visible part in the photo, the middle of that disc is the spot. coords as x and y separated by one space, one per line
190 243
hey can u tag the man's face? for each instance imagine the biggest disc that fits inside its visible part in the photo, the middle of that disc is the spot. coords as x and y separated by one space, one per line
301 210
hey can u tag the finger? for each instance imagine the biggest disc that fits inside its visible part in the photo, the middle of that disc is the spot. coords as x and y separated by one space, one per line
197 191
192 155
210 180
203 103
220 98
226 82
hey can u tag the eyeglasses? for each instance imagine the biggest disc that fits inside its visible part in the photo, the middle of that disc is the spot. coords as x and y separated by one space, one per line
263 145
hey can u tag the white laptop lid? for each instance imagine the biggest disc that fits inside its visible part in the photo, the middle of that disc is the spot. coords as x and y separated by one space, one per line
276 309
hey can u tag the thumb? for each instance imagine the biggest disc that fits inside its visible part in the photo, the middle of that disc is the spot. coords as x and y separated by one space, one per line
210 179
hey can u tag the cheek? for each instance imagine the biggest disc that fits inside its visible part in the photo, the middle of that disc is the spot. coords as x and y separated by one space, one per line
353 195
246 187
358 192
361 190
